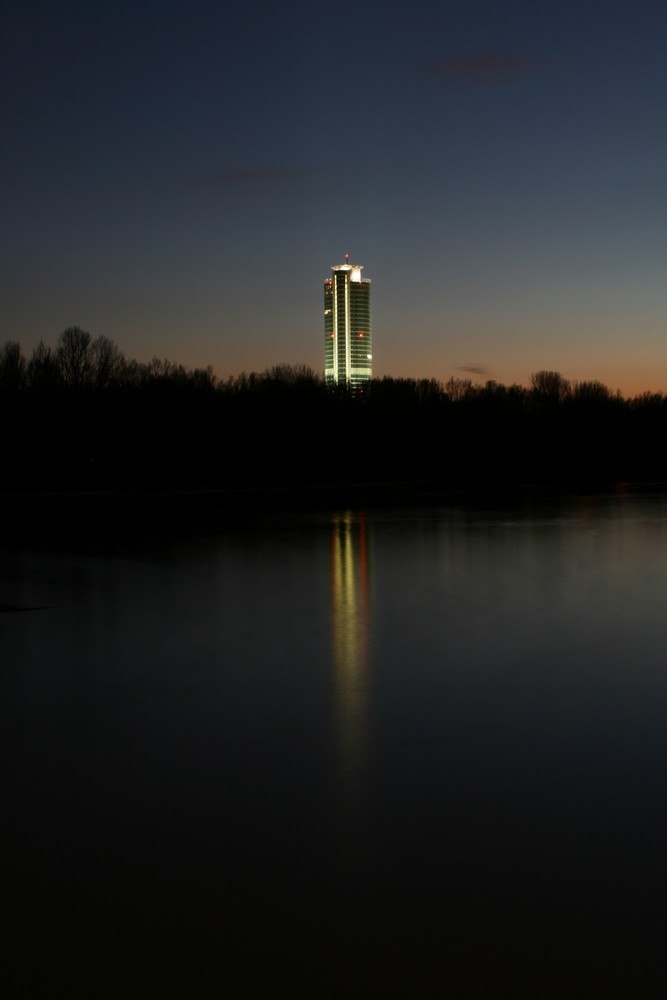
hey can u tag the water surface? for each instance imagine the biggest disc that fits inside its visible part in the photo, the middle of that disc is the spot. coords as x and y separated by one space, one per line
360 753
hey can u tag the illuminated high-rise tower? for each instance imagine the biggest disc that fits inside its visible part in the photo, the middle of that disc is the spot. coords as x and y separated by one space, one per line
348 351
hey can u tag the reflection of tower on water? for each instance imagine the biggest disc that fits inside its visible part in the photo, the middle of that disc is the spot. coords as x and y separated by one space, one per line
350 636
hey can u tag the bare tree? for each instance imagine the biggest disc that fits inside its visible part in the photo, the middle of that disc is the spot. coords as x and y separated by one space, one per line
43 372
289 375
458 389
12 367
106 361
74 356
551 386
591 391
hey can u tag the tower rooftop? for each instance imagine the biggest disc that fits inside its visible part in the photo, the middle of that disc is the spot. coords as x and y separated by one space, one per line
354 270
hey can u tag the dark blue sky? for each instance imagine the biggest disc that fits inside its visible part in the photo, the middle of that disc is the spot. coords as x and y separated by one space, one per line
181 178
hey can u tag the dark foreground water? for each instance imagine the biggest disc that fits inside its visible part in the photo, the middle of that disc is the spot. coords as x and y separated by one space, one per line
415 754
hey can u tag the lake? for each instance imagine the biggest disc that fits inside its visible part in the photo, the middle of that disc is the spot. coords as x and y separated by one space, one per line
415 752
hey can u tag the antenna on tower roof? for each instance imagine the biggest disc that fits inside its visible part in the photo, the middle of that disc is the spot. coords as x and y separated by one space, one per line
347 258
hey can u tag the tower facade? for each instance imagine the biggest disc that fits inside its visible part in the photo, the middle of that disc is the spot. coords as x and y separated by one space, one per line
348 342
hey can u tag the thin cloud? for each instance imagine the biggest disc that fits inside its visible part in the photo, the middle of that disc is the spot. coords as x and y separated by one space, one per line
474 68
473 369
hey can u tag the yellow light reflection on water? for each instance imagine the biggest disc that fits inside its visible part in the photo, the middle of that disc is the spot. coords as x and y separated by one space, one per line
350 623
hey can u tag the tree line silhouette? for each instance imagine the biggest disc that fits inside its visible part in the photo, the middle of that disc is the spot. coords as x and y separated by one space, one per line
83 417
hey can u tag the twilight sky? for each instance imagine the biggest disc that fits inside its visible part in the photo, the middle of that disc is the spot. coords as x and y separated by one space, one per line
180 179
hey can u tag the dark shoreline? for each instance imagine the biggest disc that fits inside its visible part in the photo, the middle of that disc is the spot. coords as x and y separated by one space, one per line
147 512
